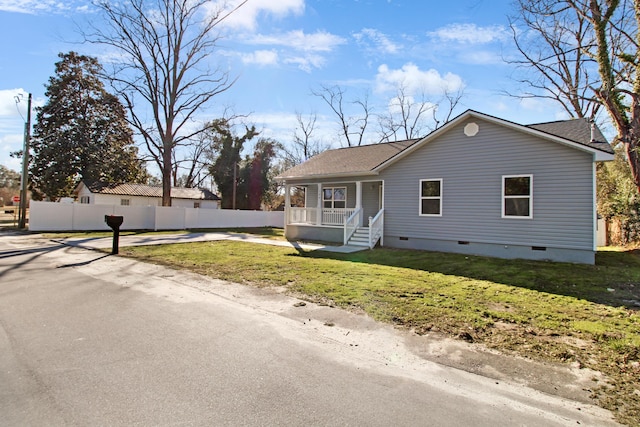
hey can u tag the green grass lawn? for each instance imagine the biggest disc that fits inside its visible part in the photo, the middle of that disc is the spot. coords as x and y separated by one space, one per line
551 311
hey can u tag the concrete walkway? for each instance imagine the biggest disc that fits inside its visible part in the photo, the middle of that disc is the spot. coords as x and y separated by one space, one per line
164 239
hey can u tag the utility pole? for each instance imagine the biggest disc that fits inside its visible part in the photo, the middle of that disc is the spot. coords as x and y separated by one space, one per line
25 168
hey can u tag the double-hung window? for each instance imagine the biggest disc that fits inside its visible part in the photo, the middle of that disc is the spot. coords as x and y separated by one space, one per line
517 196
334 197
431 197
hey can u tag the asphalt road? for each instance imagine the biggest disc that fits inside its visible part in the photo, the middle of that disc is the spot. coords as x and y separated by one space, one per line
88 339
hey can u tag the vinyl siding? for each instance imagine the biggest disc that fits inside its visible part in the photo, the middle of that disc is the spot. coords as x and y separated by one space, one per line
370 203
472 169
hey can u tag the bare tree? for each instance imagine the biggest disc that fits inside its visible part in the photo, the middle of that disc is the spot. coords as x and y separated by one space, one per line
304 145
553 42
599 64
192 169
352 126
408 118
162 49
191 164
302 136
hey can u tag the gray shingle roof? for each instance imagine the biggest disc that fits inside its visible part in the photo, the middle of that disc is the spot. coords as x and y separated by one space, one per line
577 130
149 191
365 159
352 160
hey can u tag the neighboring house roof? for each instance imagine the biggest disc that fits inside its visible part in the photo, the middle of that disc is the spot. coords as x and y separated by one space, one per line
370 159
149 191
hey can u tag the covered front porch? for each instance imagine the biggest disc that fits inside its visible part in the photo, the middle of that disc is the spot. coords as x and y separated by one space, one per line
347 212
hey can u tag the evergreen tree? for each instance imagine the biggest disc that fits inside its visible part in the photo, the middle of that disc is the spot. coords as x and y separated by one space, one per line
81 132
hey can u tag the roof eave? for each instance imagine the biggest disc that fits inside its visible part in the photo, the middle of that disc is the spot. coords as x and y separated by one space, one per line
601 156
326 176
541 134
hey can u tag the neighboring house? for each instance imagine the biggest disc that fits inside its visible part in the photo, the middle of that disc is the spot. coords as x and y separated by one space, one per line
478 185
100 193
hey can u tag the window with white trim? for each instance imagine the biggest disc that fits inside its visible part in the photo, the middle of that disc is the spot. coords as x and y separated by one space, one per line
124 202
84 200
334 197
517 196
431 197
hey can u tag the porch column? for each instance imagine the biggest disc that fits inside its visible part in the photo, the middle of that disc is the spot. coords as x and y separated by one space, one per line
319 206
359 201
287 206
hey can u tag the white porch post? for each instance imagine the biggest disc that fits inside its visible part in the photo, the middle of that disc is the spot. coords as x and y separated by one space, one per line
319 206
359 201
287 206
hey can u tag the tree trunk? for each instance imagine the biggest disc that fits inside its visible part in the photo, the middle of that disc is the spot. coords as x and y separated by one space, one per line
166 177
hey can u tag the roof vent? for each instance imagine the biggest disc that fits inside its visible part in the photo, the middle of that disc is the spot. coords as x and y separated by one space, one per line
471 129
593 131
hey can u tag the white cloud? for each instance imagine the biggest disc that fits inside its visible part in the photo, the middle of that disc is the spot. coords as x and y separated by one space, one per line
43 6
246 16
282 125
532 104
397 105
297 48
261 57
320 41
482 57
471 33
9 107
11 142
414 80
12 120
306 62
376 41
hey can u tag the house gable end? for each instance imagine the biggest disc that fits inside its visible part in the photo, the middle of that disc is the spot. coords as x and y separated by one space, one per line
601 150
471 172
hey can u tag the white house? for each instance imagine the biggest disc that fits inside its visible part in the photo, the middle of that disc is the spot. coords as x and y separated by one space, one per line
101 193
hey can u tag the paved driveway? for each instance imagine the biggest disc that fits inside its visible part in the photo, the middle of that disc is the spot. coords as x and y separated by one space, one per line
92 339
159 239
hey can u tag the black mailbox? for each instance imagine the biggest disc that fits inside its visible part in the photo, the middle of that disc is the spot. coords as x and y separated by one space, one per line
114 222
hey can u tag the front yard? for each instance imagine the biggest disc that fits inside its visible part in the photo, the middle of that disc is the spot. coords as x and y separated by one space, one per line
587 315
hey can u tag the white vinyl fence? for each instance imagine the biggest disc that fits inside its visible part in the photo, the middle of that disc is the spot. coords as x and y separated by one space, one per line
48 216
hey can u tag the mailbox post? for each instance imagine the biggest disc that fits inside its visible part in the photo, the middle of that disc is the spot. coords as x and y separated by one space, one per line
114 222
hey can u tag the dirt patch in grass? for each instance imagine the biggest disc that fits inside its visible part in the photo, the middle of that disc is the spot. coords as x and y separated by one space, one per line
575 315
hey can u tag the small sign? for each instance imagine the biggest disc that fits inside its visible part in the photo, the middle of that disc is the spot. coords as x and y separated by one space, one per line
15 199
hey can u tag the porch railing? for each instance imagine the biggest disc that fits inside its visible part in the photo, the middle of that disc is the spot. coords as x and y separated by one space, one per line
310 216
376 229
302 216
336 216
351 224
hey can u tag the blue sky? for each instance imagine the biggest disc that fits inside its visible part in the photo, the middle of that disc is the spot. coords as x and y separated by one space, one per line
282 50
